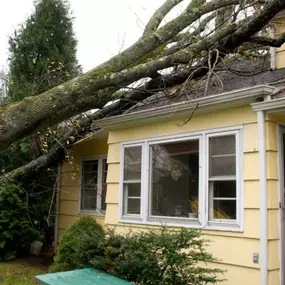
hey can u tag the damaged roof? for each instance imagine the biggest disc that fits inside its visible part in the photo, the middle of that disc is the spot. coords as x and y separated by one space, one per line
239 74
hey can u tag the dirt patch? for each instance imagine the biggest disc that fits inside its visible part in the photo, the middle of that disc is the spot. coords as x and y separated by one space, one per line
34 261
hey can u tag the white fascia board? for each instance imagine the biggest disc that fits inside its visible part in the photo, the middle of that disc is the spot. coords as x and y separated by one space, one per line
179 110
272 106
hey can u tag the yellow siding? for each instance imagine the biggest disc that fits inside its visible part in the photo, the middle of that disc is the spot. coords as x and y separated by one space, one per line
237 116
70 182
273 277
272 198
234 249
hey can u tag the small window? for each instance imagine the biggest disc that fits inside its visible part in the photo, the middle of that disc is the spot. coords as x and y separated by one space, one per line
93 185
132 180
175 179
222 178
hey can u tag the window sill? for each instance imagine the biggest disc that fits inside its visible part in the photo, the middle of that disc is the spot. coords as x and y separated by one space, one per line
91 213
195 224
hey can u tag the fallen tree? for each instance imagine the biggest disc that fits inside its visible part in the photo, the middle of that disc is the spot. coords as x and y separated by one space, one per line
143 59
190 53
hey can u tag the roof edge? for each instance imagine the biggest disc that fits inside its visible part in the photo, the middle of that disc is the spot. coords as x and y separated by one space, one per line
231 99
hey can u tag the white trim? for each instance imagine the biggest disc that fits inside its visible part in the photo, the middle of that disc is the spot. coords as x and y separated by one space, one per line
263 198
98 211
181 136
221 101
238 178
202 222
276 105
280 131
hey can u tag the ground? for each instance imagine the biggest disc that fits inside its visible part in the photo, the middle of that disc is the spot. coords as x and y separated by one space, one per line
22 271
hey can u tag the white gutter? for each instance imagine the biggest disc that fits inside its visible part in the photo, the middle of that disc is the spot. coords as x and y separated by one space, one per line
263 198
57 207
275 105
221 101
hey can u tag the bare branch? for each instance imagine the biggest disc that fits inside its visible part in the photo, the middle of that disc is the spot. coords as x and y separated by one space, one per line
269 42
159 15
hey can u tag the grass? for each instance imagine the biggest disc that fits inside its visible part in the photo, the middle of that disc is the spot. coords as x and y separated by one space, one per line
21 271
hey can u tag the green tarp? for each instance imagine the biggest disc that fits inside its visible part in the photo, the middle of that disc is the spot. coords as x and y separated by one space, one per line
87 276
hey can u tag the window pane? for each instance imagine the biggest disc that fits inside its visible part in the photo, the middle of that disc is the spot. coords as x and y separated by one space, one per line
222 166
134 190
175 179
88 199
90 165
89 178
132 163
222 160
105 170
132 194
104 184
103 200
134 206
224 189
222 145
224 209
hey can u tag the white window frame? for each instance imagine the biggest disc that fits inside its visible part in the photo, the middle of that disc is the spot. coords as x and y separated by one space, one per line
239 154
98 211
203 220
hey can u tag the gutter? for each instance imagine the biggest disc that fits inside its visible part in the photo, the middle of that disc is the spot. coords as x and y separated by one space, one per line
263 198
275 105
221 101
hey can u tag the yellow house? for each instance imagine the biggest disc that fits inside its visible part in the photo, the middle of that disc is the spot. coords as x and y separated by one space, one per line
214 162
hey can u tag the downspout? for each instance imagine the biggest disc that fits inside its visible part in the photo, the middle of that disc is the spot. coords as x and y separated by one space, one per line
263 198
57 207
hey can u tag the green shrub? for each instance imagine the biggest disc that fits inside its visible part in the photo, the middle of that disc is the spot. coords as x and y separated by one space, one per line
78 244
155 257
161 257
16 232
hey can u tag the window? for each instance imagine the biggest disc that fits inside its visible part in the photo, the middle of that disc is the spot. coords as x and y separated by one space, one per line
93 185
132 180
175 179
222 178
192 180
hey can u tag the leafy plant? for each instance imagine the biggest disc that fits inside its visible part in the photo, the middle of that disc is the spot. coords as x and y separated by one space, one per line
85 238
162 257
153 257
16 231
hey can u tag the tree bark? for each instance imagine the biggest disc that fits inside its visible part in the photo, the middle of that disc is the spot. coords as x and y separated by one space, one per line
95 88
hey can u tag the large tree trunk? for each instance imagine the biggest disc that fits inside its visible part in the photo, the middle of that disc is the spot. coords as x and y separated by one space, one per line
98 86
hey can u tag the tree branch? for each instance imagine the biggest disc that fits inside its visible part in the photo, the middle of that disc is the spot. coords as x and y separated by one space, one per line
269 42
159 15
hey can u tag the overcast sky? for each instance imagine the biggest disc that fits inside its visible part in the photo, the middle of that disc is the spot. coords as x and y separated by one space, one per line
102 27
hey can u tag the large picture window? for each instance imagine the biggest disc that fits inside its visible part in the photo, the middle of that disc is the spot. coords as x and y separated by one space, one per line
93 185
175 179
192 180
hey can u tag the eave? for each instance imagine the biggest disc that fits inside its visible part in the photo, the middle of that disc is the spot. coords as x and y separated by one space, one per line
271 106
232 99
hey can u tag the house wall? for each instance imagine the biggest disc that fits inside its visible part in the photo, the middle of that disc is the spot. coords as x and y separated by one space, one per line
234 249
273 210
70 182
